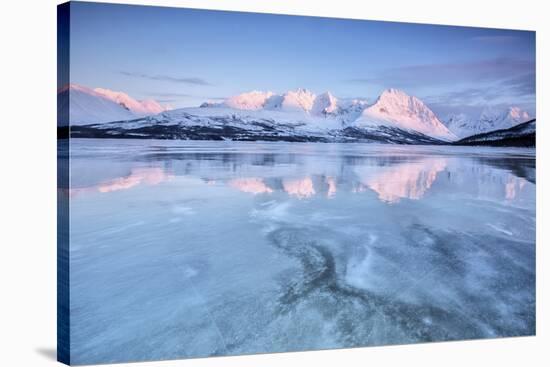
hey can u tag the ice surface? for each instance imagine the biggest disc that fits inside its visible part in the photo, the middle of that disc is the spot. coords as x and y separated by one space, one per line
186 249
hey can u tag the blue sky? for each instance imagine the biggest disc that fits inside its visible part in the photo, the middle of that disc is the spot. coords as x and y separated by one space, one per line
184 57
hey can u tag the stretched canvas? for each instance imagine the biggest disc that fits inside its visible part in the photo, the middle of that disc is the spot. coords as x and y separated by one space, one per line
235 183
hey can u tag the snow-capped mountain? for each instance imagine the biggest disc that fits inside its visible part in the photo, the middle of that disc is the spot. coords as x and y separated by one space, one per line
490 119
300 107
299 100
393 108
296 115
397 109
87 106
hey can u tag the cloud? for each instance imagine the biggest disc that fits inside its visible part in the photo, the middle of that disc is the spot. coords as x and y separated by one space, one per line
522 85
465 96
182 80
465 87
473 100
516 89
493 70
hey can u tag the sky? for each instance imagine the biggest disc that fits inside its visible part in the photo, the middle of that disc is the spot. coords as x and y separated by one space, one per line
184 57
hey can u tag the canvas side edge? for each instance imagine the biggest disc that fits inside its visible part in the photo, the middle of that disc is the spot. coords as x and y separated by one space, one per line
63 185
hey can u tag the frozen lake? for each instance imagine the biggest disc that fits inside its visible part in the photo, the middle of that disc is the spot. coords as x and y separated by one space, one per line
189 249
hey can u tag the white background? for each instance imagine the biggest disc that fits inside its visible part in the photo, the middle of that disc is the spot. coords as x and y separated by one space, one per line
28 182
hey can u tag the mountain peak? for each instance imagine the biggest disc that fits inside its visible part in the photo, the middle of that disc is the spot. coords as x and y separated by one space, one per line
490 118
298 99
518 114
301 91
324 104
398 97
75 87
139 108
512 114
100 105
393 92
253 100
397 108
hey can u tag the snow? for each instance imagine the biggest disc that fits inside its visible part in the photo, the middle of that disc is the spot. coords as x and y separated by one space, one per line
324 104
220 114
298 100
320 113
99 105
138 108
254 100
87 106
491 118
396 108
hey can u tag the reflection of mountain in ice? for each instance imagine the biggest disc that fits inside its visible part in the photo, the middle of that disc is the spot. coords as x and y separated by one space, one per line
253 185
229 248
409 180
137 176
406 180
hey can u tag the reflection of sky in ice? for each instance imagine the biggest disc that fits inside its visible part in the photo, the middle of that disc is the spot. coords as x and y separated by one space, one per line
183 249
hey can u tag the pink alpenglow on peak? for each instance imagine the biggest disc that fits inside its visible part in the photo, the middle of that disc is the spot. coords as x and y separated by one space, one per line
506 117
396 108
139 108
253 100
88 107
99 105
518 114
298 100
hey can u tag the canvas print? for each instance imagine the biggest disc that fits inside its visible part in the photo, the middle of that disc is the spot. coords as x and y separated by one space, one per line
236 183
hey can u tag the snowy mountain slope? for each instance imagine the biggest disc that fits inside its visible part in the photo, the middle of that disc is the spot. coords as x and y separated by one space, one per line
324 104
490 119
397 109
87 106
99 105
242 125
523 134
138 108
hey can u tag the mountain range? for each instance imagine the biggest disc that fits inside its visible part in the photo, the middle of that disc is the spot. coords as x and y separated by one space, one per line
297 115
490 119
